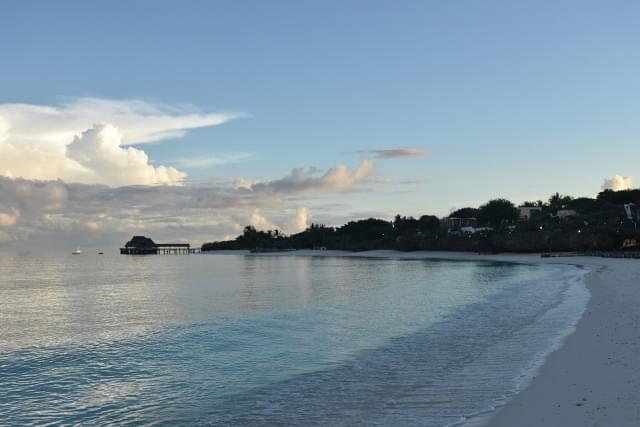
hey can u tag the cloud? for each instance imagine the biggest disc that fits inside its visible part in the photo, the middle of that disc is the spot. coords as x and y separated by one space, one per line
260 222
7 219
393 153
300 222
302 180
102 159
34 139
208 161
140 121
618 182
58 211
243 184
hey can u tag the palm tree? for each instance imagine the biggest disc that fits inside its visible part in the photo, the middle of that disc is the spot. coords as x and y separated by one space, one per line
558 201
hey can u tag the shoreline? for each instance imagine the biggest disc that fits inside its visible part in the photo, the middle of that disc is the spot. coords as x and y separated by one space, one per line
593 379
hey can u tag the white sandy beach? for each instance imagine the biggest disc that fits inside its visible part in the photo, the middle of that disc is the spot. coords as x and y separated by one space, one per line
594 378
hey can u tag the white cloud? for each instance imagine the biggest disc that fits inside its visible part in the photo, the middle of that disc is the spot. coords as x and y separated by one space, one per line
260 222
300 222
57 211
92 226
140 121
392 153
101 159
208 161
243 183
618 182
302 180
34 138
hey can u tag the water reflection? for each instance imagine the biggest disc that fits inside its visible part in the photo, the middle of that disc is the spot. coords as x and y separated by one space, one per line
185 339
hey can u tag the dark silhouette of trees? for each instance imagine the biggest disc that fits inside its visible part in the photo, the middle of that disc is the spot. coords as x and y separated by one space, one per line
620 197
536 204
251 238
464 213
586 205
366 229
559 201
429 224
497 212
403 225
315 236
600 224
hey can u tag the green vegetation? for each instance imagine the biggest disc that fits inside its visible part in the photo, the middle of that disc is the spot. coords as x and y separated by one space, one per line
562 223
497 212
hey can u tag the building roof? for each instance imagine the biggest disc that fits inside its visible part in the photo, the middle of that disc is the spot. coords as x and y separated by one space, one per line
140 242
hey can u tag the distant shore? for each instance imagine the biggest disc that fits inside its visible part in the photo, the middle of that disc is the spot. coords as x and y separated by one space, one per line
594 378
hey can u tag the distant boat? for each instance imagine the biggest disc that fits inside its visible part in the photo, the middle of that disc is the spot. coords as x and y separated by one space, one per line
100 253
77 251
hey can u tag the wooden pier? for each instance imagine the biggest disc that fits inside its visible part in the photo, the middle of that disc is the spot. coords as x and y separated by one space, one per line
141 245
176 249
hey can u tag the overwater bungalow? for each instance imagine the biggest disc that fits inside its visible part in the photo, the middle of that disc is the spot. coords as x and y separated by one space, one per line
142 245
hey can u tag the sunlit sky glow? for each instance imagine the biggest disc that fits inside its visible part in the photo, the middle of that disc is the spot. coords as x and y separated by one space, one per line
190 120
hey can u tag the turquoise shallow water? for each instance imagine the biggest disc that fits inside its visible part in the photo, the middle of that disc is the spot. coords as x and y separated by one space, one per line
272 340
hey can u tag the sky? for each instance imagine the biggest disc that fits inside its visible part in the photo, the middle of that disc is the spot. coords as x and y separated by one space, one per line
188 120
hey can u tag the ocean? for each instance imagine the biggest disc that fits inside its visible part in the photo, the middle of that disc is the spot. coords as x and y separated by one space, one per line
244 340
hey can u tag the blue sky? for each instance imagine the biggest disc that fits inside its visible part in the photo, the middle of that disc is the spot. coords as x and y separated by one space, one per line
513 99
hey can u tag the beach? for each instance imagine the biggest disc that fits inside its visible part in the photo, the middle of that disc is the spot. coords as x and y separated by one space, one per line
320 338
594 378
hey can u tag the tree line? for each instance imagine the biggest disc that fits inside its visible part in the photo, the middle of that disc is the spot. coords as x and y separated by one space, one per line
599 223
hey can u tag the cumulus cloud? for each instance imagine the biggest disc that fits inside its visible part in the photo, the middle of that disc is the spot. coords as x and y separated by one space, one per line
58 210
101 158
392 153
243 183
302 180
34 139
36 209
618 182
260 222
300 222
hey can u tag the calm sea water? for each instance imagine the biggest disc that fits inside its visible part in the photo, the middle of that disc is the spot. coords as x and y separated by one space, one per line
271 340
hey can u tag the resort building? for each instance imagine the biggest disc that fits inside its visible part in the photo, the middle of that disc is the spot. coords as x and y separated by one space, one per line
530 212
454 225
566 213
474 230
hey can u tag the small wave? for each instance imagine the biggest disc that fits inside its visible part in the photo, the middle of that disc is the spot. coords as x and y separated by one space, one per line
381 343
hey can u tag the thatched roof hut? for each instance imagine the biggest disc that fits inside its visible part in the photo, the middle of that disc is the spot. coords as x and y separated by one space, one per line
141 242
140 245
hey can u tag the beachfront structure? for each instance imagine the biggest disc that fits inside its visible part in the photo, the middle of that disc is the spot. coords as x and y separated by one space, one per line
529 212
566 213
142 245
474 230
455 224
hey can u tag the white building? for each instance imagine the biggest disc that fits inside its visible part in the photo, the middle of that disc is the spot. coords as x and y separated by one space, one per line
566 213
526 212
455 224
474 230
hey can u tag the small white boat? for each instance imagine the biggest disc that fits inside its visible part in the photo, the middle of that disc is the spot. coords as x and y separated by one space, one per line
77 251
